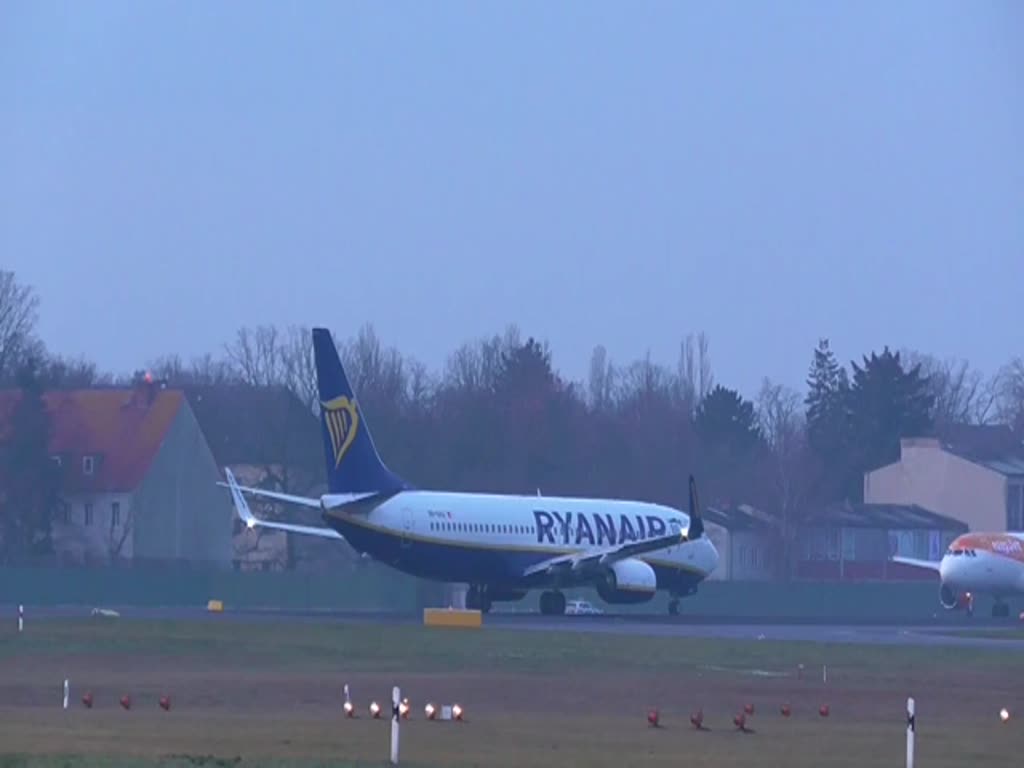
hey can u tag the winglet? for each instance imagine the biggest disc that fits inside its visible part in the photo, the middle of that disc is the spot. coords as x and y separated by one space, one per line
696 529
241 505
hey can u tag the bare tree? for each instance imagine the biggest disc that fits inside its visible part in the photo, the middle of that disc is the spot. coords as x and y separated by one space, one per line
601 384
256 355
1009 389
18 314
780 414
119 533
693 371
298 366
962 396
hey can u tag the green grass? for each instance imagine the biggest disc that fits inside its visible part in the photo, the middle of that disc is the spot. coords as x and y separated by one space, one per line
267 693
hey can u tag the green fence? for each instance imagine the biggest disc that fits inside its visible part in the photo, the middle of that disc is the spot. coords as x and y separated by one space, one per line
374 587
370 587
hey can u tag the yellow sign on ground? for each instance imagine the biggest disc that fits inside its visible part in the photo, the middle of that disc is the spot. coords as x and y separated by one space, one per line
450 617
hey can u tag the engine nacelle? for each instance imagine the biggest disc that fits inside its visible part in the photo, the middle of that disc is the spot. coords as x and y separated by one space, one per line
953 601
628 581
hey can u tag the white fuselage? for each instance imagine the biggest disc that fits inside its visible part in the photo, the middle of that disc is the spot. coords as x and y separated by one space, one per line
992 564
463 536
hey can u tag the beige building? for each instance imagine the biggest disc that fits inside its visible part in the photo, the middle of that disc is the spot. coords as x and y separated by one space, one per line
747 541
971 474
137 478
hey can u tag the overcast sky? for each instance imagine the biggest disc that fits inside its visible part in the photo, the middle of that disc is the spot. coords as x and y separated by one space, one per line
618 173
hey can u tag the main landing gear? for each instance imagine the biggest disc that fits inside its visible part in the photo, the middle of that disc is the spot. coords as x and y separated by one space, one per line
477 599
552 603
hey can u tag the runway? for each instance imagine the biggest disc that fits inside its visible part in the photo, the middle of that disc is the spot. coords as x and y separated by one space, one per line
643 625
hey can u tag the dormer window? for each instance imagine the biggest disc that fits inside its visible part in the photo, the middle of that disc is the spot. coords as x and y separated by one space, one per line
88 465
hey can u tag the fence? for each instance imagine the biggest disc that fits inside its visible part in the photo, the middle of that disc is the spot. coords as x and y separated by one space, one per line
368 587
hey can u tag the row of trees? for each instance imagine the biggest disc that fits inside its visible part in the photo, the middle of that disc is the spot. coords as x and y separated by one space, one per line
500 417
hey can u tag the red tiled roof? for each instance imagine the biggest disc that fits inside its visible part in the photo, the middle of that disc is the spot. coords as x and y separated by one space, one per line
120 427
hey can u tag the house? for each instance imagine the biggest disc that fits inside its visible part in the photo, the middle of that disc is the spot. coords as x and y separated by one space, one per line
974 474
748 543
854 542
137 480
268 439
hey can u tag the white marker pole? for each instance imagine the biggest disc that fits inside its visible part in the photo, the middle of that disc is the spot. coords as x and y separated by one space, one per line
66 691
824 673
21 618
911 727
396 699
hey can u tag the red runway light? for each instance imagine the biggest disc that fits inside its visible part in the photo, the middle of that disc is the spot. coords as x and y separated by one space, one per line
823 710
785 710
126 702
165 703
652 718
87 700
749 709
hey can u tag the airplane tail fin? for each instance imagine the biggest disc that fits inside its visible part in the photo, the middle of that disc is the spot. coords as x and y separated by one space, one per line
696 519
353 464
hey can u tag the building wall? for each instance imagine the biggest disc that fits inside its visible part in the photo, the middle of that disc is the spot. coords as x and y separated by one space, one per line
83 537
862 554
180 512
754 556
744 555
720 538
940 482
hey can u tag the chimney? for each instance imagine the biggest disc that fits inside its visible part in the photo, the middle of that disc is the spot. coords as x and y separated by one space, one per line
145 390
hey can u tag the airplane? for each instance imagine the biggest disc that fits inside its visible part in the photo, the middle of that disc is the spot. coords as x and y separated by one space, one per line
991 563
502 546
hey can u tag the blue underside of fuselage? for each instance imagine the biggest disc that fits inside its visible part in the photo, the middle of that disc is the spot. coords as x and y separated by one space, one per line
459 563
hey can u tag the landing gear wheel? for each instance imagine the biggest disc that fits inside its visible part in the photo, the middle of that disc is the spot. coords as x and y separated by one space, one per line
477 599
673 606
552 603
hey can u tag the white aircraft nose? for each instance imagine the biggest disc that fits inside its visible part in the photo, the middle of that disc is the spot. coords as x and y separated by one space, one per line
950 571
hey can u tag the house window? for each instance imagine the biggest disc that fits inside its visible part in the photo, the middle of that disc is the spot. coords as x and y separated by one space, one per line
88 513
115 513
87 465
1015 508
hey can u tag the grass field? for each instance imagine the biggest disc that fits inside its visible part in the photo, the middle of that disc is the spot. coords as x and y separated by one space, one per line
270 694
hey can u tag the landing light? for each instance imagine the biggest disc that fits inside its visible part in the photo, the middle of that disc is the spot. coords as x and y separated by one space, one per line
403 709
1004 715
430 711
348 709
457 712
374 709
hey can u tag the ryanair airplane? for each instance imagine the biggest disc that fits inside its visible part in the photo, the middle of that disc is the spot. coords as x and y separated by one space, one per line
501 545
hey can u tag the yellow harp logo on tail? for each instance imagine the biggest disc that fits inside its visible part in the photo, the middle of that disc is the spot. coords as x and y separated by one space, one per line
342 422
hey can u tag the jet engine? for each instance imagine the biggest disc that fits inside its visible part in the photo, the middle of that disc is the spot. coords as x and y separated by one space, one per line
952 600
628 581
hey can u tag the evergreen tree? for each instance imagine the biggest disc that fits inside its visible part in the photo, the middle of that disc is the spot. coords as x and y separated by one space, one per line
29 476
827 424
827 388
730 437
886 403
